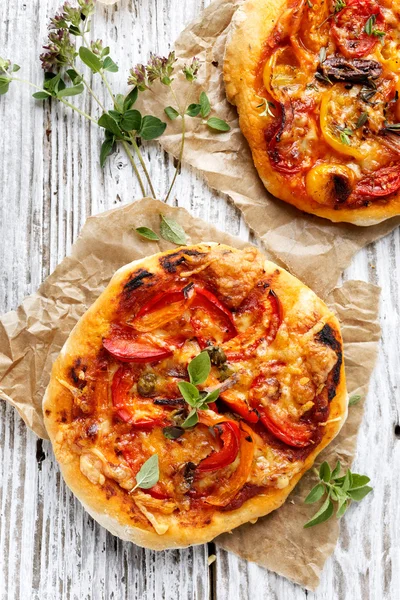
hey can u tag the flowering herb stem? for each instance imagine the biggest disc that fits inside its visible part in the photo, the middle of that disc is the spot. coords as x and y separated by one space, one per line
141 160
178 166
129 155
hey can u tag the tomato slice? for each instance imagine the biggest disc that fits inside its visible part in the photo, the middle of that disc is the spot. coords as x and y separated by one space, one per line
161 300
133 350
230 436
348 28
378 185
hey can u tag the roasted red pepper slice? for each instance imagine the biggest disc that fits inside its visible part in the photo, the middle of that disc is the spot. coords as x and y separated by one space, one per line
161 300
122 383
378 185
218 307
230 436
134 350
240 407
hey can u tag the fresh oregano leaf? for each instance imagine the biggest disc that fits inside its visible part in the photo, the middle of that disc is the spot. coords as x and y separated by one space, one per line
109 123
41 95
115 114
171 112
342 507
359 493
147 233
346 485
193 110
205 107
74 76
358 481
149 474
316 493
106 150
336 470
4 87
171 231
218 124
324 513
90 59
151 128
71 91
191 420
173 432
210 397
354 400
74 30
130 99
325 472
131 120
110 65
199 368
190 393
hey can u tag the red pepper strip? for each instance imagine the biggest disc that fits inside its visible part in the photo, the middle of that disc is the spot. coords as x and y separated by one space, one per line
132 350
228 488
230 436
210 301
122 383
161 300
157 492
276 316
291 433
240 407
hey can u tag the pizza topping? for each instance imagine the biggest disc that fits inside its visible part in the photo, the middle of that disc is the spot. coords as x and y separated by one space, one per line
134 350
230 437
338 68
350 30
330 183
379 185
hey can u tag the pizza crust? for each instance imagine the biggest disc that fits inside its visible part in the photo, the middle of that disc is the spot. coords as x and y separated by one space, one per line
251 26
106 507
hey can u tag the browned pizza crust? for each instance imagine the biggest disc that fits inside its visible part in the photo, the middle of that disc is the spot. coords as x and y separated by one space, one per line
251 26
111 506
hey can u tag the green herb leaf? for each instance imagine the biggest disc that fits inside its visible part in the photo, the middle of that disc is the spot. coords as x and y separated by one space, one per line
131 120
347 481
324 513
15 68
218 124
339 5
171 231
74 76
41 95
109 65
354 400
362 119
116 115
191 420
342 507
105 51
173 432
205 105
74 30
130 99
359 493
336 470
171 112
151 128
90 59
358 481
109 123
4 87
149 473
370 24
106 149
316 493
325 472
71 91
199 368
193 110
190 393
210 397
147 233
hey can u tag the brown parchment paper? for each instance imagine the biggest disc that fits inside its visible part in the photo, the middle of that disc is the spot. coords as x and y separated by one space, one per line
304 243
32 336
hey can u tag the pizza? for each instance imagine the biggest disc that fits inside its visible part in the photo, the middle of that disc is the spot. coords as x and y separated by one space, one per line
271 397
316 85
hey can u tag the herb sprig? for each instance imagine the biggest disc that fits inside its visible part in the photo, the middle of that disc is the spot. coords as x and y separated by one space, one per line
148 475
339 489
198 369
170 230
68 43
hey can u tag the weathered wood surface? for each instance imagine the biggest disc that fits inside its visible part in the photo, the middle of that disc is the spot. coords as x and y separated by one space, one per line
50 181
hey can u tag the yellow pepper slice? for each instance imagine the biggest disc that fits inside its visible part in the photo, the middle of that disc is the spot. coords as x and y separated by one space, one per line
282 74
331 136
328 183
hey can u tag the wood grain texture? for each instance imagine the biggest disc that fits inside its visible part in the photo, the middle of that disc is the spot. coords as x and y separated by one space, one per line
50 181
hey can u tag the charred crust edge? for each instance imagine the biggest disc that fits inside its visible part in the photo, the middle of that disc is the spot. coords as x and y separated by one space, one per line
171 262
327 337
137 280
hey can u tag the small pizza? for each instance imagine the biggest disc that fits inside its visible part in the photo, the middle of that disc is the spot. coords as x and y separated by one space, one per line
194 393
316 85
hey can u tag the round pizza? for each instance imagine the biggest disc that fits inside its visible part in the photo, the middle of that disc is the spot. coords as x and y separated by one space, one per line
194 394
316 85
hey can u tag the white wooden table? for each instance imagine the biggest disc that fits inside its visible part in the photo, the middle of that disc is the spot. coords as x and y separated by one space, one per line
50 181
